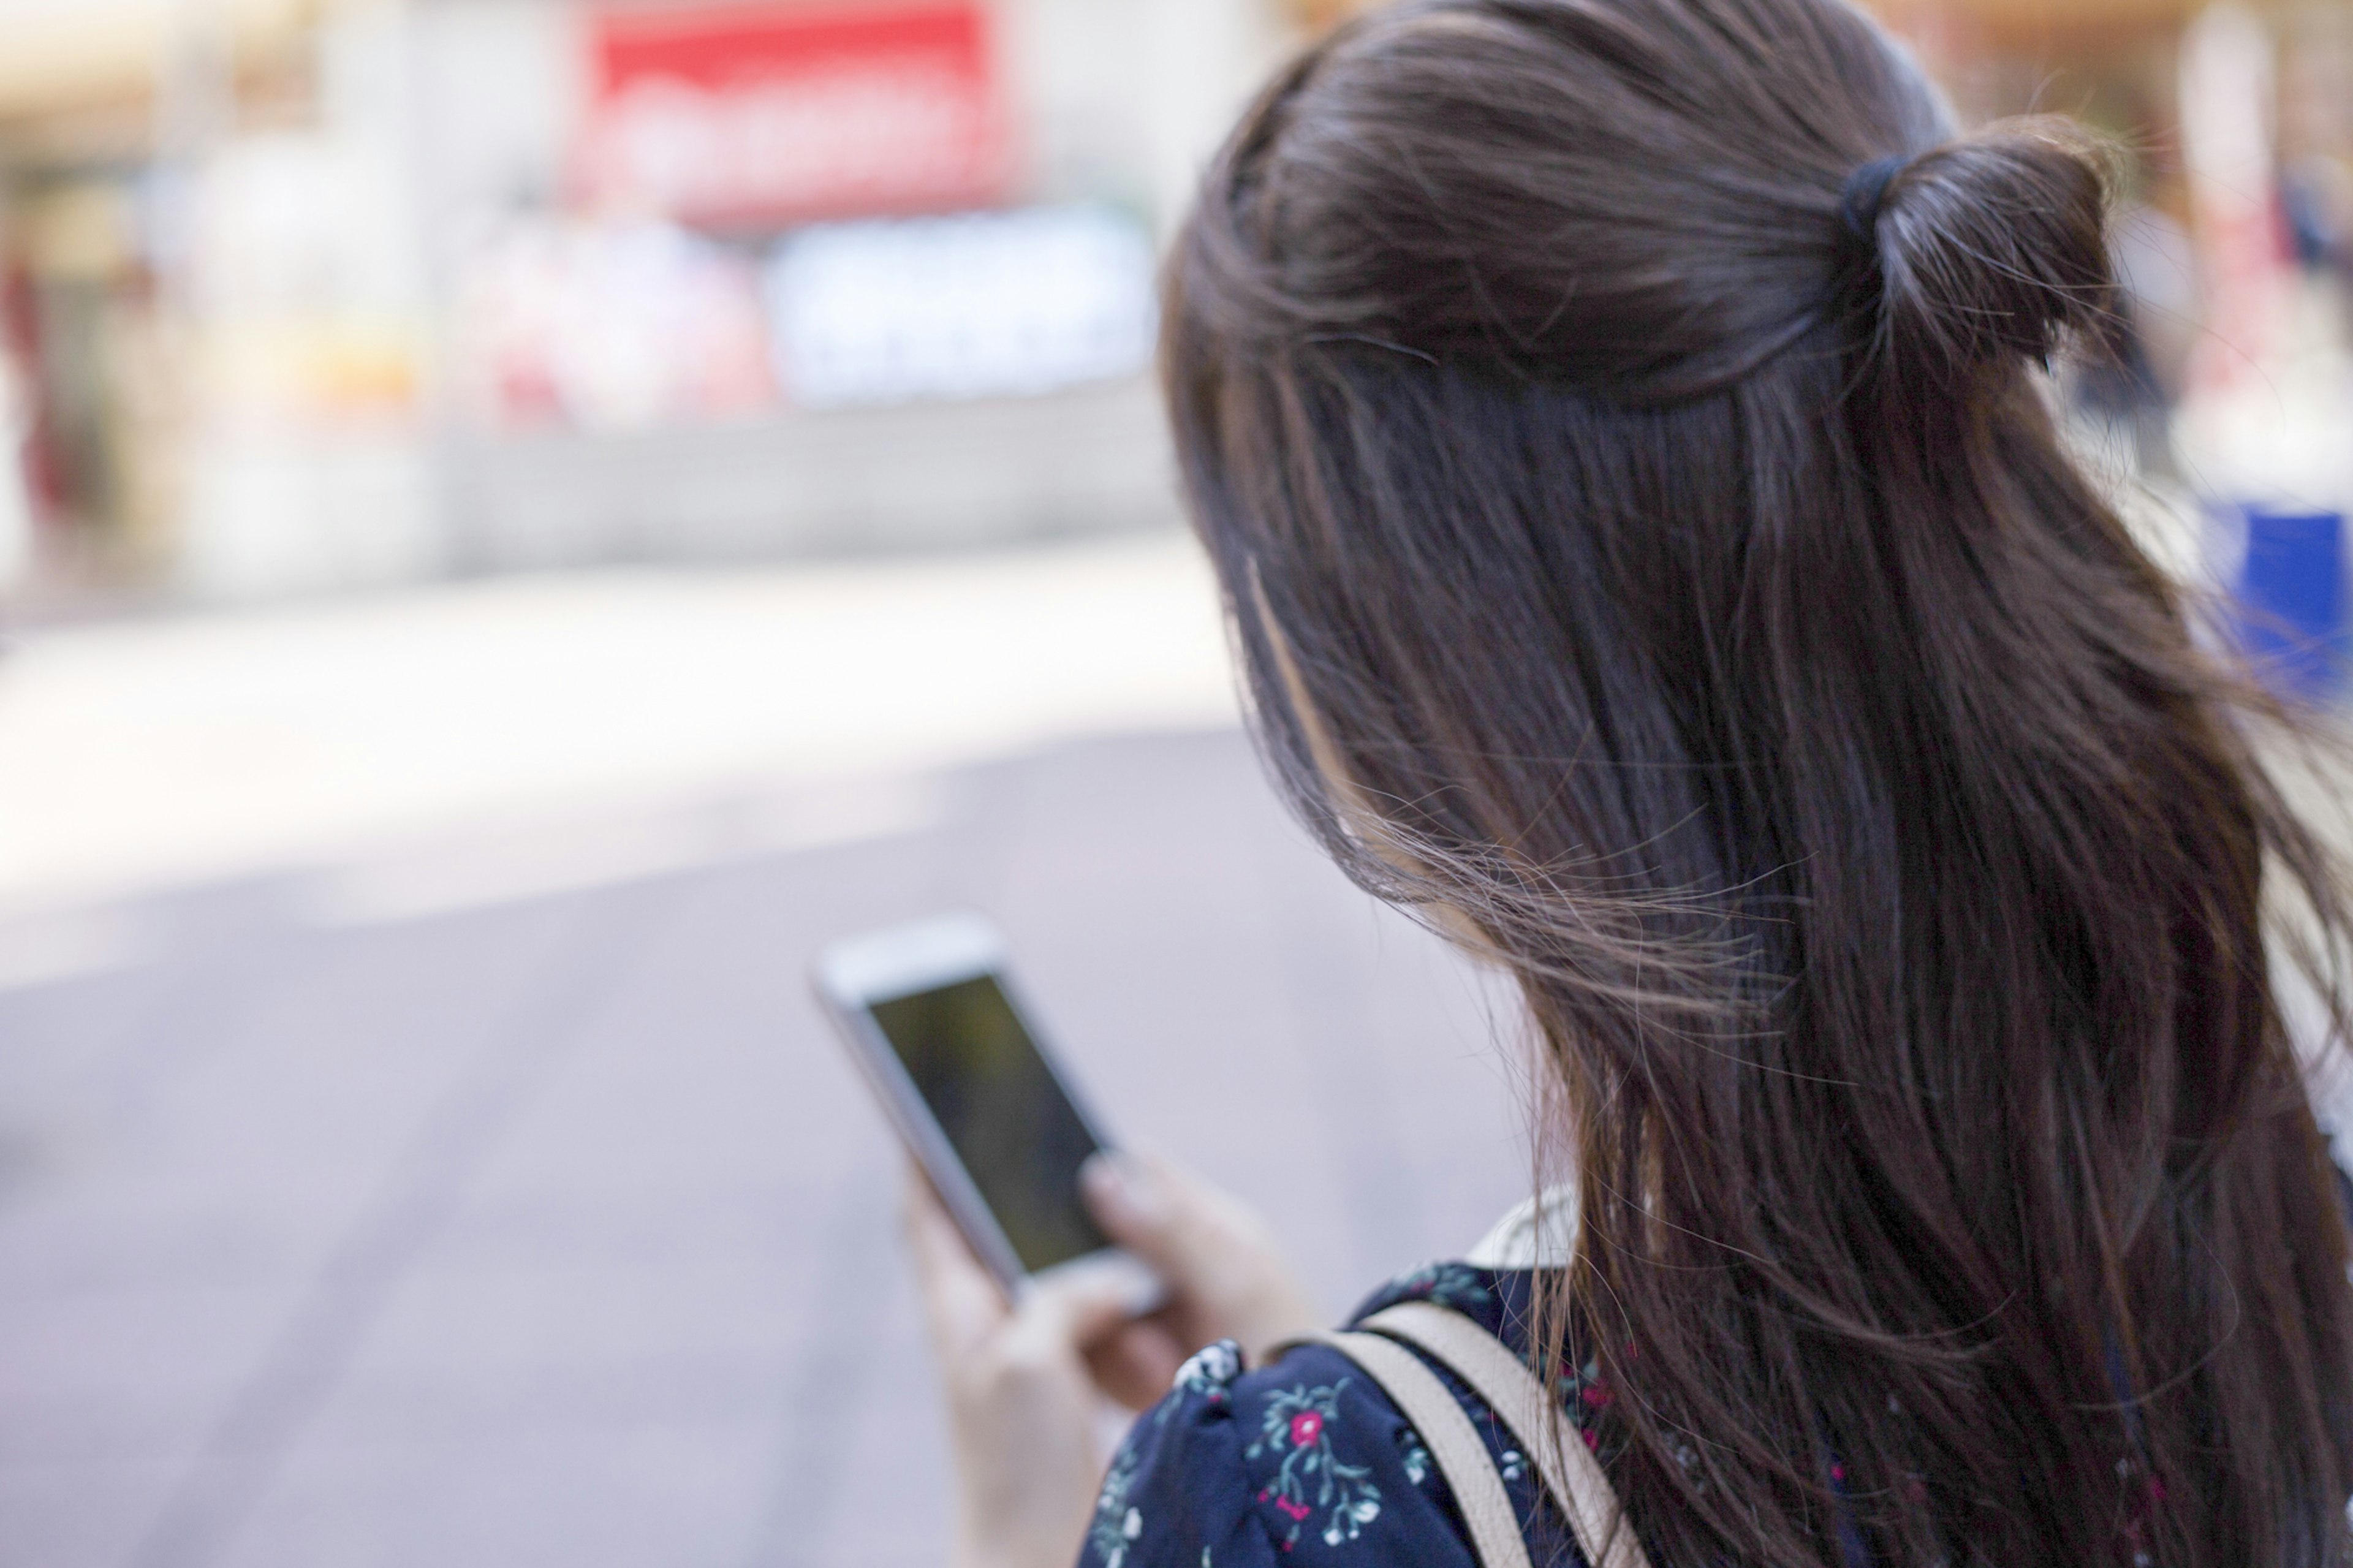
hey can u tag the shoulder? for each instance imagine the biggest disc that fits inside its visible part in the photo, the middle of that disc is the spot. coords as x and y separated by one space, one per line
1303 1460
1500 1300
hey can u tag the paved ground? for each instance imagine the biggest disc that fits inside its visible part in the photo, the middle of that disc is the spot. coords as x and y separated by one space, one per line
199 747
384 1218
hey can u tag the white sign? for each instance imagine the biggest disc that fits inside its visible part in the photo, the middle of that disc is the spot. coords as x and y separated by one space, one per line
987 304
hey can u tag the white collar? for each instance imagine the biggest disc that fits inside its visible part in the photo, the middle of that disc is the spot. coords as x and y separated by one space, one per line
1526 1238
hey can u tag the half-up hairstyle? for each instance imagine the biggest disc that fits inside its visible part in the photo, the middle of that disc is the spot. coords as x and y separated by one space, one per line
1617 427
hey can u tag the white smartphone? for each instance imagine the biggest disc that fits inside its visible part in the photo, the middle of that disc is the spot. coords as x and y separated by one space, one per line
937 1026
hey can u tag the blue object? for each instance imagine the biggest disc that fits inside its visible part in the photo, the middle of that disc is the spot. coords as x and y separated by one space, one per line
2293 598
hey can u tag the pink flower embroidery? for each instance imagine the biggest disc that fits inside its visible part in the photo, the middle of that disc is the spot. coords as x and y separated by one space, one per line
1313 1485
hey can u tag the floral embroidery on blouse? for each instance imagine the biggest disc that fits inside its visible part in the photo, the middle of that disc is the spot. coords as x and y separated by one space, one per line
1116 1525
1310 1478
1455 1285
1587 1393
1415 1458
1209 1374
1306 1461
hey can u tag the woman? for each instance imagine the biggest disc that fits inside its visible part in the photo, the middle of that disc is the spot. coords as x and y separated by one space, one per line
1616 425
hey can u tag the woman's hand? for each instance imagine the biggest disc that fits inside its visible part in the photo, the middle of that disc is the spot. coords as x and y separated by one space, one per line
1227 1278
1025 1385
1021 1405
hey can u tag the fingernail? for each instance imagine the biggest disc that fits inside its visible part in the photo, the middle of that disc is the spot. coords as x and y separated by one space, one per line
1128 1186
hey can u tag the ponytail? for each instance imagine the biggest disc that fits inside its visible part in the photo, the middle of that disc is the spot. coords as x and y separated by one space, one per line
1991 247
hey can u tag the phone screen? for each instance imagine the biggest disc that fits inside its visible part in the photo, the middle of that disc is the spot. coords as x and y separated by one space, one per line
1018 1134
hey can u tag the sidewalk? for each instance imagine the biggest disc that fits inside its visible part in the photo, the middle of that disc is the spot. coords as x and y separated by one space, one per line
146 755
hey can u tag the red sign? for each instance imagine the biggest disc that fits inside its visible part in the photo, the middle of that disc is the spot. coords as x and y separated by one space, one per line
769 114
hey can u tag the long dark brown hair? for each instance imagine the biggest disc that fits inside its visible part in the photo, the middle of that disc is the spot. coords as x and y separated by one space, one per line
1618 426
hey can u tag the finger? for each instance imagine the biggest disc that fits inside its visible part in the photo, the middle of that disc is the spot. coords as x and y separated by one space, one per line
1136 1365
1206 1214
961 1299
1139 1208
1086 1304
1188 1230
1226 1276
1060 1315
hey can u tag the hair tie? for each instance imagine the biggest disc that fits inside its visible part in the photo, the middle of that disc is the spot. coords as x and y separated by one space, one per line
1865 189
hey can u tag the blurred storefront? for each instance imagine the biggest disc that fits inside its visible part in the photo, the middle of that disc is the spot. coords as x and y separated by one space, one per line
307 294
213 316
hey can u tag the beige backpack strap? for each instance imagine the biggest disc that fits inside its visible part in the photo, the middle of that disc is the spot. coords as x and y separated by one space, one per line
1461 1457
1523 1404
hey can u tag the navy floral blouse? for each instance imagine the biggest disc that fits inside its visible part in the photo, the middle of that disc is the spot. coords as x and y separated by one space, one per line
1306 1461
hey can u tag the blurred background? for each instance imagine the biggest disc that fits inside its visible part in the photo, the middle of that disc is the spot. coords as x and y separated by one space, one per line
521 518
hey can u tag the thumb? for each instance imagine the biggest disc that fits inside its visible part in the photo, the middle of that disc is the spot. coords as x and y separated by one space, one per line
1152 1213
1226 1276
